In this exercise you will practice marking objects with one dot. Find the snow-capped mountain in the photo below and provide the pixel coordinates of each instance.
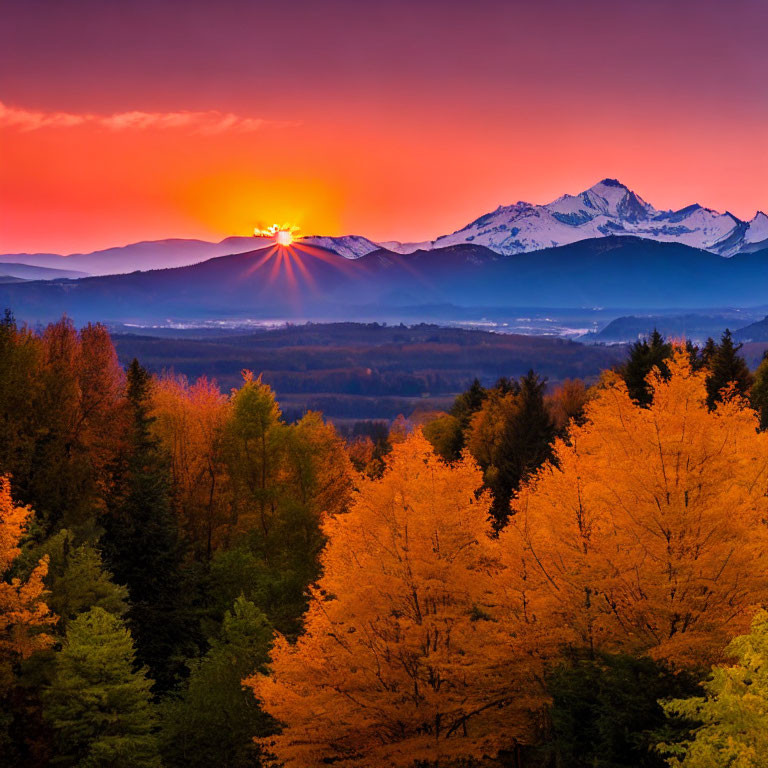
(348, 246)
(607, 208)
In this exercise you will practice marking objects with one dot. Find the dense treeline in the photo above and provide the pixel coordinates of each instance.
(354, 370)
(174, 530)
(189, 579)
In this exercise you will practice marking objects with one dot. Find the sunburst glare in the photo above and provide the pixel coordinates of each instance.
(284, 234)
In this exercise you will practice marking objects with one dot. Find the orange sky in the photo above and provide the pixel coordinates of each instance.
(114, 130)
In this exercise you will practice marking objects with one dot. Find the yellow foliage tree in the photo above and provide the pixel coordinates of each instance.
(648, 532)
(407, 655)
(24, 616)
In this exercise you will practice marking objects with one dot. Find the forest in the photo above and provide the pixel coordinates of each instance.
(362, 370)
(537, 576)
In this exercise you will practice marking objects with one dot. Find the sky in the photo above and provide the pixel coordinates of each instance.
(403, 119)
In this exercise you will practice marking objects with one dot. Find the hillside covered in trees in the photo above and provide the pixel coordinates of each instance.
(536, 576)
(355, 371)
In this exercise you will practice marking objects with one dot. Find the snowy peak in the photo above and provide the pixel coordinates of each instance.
(612, 198)
(608, 197)
(606, 208)
(758, 229)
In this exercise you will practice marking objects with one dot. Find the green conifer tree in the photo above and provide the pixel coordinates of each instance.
(214, 720)
(758, 395)
(605, 710)
(78, 581)
(510, 438)
(99, 704)
(726, 367)
(468, 403)
(644, 356)
(142, 548)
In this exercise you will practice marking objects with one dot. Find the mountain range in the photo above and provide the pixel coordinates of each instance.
(162, 254)
(310, 282)
(609, 208)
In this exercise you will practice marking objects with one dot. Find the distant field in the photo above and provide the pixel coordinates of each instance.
(368, 371)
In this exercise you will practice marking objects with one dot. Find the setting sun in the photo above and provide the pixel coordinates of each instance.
(284, 234)
(284, 237)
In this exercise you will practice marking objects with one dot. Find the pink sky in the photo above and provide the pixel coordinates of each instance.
(123, 122)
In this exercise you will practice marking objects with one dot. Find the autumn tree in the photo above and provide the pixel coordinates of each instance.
(21, 420)
(362, 453)
(25, 619)
(25, 625)
(368, 446)
(190, 421)
(285, 478)
(731, 719)
(399, 430)
(61, 408)
(566, 403)
(98, 703)
(405, 656)
(648, 532)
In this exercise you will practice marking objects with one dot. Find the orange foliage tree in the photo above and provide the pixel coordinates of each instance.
(79, 407)
(648, 532)
(407, 654)
(567, 402)
(24, 616)
(190, 422)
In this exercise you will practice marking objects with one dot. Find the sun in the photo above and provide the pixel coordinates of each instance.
(284, 237)
(284, 234)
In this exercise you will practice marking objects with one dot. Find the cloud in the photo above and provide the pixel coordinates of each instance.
(206, 123)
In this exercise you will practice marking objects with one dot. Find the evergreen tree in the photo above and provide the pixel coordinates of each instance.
(726, 367)
(758, 395)
(141, 544)
(99, 705)
(214, 720)
(78, 581)
(708, 352)
(510, 438)
(535, 428)
(605, 710)
(468, 403)
(644, 356)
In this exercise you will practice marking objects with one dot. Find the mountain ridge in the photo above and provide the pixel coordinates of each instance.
(310, 282)
(607, 208)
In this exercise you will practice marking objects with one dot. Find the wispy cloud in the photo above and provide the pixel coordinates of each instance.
(208, 122)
